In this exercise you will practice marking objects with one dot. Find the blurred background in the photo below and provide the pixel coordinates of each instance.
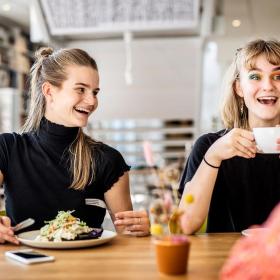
(161, 64)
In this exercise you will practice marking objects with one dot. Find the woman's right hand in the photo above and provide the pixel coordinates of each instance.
(6, 231)
(237, 142)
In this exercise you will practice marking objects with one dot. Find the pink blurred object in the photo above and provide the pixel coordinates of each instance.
(148, 154)
(167, 201)
(256, 257)
(184, 221)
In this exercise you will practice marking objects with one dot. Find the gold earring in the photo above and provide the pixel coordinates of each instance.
(242, 109)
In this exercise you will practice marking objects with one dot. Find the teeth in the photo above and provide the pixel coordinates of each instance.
(272, 98)
(82, 109)
(267, 100)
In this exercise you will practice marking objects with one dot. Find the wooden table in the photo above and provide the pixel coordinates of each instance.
(123, 258)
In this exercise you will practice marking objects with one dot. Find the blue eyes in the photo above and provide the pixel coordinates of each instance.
(276, 77)
(254, 77)
(258, 77)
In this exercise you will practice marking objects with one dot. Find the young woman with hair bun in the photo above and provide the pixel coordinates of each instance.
(52, 165)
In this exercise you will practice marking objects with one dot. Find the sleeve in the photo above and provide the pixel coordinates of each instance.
(198, 151)
(110, 167)
(5, 143)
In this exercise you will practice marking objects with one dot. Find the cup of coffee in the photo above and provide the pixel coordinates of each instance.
(172, 253)
(266, 139)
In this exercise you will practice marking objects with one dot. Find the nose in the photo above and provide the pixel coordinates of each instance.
(268, 84)
(90, 98)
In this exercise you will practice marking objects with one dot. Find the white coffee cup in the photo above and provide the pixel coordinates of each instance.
(266, 139)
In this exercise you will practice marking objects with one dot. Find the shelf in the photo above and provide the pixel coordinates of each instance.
(6, 47)
(15, 63)
(6, 67)
(169, 139)
(145, 130)
(174, 143)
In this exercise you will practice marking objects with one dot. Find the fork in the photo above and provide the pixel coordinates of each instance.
(25, 223)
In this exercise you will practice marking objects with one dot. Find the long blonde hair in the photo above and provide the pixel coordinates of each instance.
(51, 66)
(234, 112)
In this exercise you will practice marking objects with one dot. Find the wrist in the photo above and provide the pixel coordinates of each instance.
(212, 160)
(209, 164)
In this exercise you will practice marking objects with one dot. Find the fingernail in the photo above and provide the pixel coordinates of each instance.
(118, 222)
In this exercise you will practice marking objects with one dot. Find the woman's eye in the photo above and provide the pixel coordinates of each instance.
(95, 93)
(81, 90)
(276, 77)
(254, 77)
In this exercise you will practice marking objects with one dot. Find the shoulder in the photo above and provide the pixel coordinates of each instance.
(209, 138)
(110, 165)
(13, 138)
(9, 138)
(106, 154)
(107, 151)
(203, 143)
(197, 153)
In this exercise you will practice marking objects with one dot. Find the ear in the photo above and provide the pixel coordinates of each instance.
(48, 90)
(237, 88)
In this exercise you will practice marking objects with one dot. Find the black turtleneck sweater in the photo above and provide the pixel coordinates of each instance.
(37, 177)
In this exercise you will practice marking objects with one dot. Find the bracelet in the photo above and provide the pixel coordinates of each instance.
(213, 166)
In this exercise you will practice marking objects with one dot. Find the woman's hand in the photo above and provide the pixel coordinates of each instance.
(134, 223)
(6, 231)
(237, 142)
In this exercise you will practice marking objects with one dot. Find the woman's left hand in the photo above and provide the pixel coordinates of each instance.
(134, 223)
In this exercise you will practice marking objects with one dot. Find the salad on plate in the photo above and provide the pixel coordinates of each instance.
(66, 227)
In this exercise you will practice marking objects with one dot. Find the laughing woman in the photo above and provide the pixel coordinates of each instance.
(53, 165)
(233, 184)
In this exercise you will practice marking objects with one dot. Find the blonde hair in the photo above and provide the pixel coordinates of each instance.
(231, 113)
(51, 66)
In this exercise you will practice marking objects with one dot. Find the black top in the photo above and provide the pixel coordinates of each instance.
(245, 192)
(37, 178)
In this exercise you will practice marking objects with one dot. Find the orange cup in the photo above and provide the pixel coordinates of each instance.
(172, 253)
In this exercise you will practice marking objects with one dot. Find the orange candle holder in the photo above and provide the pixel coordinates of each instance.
(172, 254)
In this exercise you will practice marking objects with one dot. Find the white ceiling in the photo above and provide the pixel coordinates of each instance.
(257, 17)
(113, 17)
(18, 11)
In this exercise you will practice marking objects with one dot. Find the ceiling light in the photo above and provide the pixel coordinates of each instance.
(236, 23)
(6, 7)
(128, 65)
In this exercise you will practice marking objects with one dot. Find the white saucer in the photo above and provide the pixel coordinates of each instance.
(252, 231)
(28, 238)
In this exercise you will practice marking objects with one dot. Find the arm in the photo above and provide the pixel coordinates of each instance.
(6, 231)
(118, 196)
(237, 142)
(120, 208)
(1, 178)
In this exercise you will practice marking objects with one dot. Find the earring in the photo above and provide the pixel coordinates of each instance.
(242, 108)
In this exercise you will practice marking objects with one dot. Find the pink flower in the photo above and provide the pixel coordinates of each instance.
(256, 256)
(148, 154)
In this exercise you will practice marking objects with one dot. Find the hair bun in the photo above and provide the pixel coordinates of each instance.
(43, 52)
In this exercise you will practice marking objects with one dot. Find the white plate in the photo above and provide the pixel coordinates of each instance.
(28, 238)
(252, 231)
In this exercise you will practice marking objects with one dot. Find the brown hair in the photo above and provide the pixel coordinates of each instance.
(51, 66)
(231, 113)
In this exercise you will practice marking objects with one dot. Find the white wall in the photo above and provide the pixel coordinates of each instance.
(166, 77)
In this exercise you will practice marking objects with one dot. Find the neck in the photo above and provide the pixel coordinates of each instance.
(55, 135)
(51, 119)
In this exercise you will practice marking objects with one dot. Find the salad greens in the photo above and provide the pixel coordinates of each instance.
(64, 227)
